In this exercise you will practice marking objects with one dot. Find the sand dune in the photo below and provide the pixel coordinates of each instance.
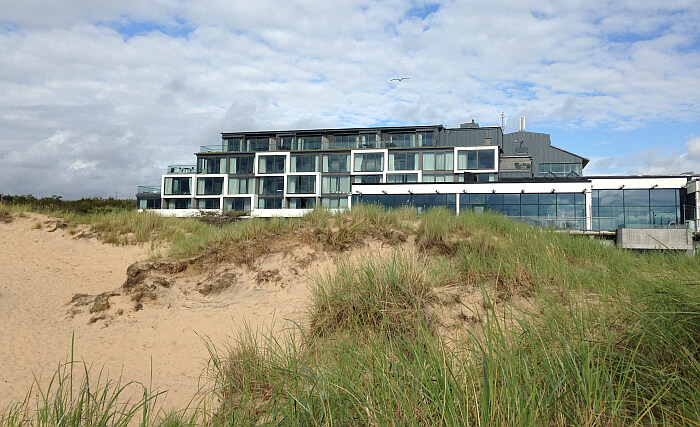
(42, 270)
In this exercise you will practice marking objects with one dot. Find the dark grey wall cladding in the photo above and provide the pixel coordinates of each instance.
(538, 146)
(471, 137)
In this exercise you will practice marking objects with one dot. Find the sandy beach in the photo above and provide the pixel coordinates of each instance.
(159, 343)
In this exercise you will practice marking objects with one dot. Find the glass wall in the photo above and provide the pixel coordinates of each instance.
(302, 202)
(402, 140)
(560, 210)
(421, 202)
(647, 208)
(369, 162)
(149, 203)
(258, 144)
(345, 142)
(179, 203)
(334, 202)
(178, 186)
(309, 143)
(401, 177)
(367, 179)
(208, 204)
(425, 139)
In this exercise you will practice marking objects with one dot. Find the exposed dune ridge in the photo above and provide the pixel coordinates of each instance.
(148, 328)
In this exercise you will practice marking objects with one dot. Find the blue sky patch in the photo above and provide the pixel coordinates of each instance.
(129, 28)
(422, 11)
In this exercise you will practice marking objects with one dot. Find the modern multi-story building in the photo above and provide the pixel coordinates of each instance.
(286, 173)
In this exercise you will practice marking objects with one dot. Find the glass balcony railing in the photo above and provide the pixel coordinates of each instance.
(213, 149)
(148, 189)
(182, 168)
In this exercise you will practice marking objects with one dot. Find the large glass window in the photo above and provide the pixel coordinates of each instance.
(309, 143)
(271, 185)
(208, 204)
(179, 203)
(233, 144)
(401, 161)
(402, 140)
(302, 202)
(635, 208)
(345, 141)
(271, 164)
(286, 143)
(335, 184)
(476, 159)
(336, 163)
(177, 186)
(561, 210)
(270, 202)
(334, 202)
(301, 184)
(304, 163)
(432, 177)
(237, 204)
(241, 165)
(209, 186)
(438, 161)
(425, 139)
(211, 165)
(369, 162)
(421, 202)
(368, 140)
(238, 185)
(258, 144)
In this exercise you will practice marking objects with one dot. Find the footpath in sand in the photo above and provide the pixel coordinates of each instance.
(159, 342)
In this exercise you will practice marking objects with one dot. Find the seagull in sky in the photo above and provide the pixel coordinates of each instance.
(398, 79)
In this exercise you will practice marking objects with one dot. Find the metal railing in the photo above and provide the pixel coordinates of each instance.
(182, 169)
(148, 189)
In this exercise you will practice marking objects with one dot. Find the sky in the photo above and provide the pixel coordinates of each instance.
(99, 97)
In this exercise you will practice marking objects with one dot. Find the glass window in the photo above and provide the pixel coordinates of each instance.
(309, 143)
(241, 165)
(334, 202)
(211, 165)
(529, 199)
(236, 204)
(258, 144)
(301, 184)
(304, 163)
(345, 142)
(177, 186)
(179, 203)
(336, 163)
(367, 179)
(402, 140)
(368, 140)
(271, 164)
(286, 143)
(476, 159)
(302, 202)
(425, 139)
(271, 185)
(270, 202)
(208, 204)
(238, 185)
(559, 169)
(233, 144)
(401, 177)
(335, 184)
(400, 161)
(209, 186)
(636, 197)
(663, 197)
(369, 162)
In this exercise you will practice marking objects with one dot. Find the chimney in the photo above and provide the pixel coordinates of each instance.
(522, 123)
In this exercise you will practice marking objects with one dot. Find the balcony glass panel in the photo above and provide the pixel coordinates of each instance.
(271, 164)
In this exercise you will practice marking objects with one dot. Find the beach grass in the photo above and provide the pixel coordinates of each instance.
(568, 331)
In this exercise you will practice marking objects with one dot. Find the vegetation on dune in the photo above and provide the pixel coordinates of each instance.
(607, 337)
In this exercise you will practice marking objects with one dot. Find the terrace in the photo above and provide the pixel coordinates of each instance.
(182, 168)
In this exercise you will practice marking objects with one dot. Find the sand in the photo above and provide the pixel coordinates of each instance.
(160, 343)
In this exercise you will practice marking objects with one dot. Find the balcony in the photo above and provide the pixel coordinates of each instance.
(182, 169)
(213, 149)
(148, 189)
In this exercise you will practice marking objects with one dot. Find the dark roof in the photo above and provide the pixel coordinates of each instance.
(334, 130)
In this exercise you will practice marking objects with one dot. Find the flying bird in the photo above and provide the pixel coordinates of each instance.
(398, 79)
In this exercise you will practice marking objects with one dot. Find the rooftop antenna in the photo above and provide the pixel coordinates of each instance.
(503, 122)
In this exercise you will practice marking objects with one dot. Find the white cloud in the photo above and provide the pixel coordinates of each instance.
(124, 104)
